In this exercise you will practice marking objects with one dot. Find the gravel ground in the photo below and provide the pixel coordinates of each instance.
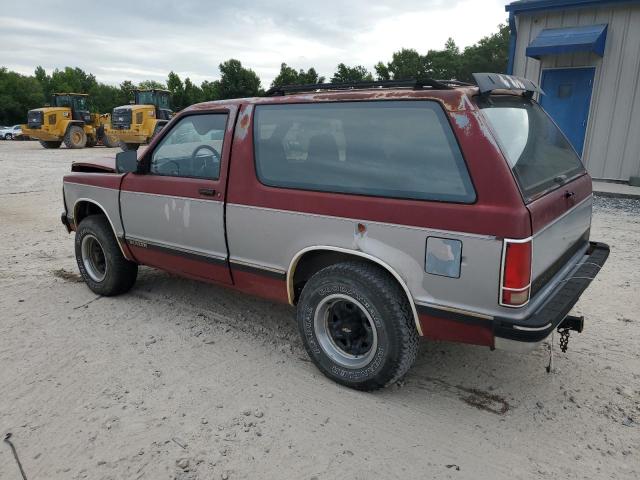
(179, 379)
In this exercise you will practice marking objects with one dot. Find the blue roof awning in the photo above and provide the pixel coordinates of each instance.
(555, 41)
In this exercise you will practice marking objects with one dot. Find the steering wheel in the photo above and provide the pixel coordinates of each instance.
(175, 171)
(214, 153)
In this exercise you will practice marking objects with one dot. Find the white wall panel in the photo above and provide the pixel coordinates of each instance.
(612, 141)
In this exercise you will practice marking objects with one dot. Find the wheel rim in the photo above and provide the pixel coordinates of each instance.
(93, 258)
(76, 137)
(345, 331)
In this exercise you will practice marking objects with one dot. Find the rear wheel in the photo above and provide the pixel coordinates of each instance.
(357, 326)
(91, 142)
(100, 261)
(50, 144)
(75, 137)
(128, 146)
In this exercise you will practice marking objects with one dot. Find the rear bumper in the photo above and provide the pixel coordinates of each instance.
(552, 313)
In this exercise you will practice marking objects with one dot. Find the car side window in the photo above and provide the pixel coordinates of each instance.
(192, 148)
(394, 149)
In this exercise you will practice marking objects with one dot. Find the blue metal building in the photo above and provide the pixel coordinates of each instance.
(586, 56)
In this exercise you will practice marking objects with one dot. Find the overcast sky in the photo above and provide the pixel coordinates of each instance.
(142, 39)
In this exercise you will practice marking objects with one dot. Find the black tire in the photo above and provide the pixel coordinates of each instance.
(128, 146)
(50, 144)
(8, 136)
(75, 137)
(119, 274)
(385, 305)
(110, 141)
(91, 142)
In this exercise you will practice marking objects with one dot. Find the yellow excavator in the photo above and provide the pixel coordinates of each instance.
(137, 123)
(68, 120)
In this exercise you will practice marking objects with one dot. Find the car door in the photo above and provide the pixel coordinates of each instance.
(173, 213)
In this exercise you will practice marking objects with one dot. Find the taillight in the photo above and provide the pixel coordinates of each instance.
(516, 273)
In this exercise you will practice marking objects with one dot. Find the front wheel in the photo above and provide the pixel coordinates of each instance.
(357, 326)
(100, 261)
(8, 136)
(75, 137)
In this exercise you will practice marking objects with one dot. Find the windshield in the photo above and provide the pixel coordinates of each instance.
(540, 156)
(81, 103)
(76, 103)
(159, 99)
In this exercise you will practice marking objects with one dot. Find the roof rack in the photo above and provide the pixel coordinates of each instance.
(416, 84)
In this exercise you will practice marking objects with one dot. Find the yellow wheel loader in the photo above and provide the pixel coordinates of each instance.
(67, 120)
(136, 124)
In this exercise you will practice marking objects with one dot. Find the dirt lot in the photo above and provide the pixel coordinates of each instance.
(184, 380)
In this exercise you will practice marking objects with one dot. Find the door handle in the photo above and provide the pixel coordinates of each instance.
(209, 192)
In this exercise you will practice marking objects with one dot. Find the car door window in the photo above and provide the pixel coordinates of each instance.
(192, 148)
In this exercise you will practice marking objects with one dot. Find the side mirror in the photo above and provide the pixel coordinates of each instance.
(127, 162)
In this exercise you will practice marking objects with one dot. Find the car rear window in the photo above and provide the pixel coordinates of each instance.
(541, 157)
(388, 149)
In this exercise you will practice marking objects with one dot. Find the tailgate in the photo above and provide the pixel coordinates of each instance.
(560, 222)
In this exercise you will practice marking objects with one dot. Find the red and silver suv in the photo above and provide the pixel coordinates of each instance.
(384, 212)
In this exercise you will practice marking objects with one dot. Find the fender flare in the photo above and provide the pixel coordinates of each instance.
(296, 258)
(67, 123)
(104, 211)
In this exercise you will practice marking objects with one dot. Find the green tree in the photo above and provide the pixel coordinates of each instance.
(210, 90)
(291, 76)
(18, 94)
(44, 80)
(150, 85)
(126, 92)
(405, 64)
(237, 81)
(192, 93)
(72, 80)
(345, 74)
(103, 98)
(176, 87)
(443, 64)
(490, 54)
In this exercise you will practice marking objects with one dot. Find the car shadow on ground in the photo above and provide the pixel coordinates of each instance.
(492, 381)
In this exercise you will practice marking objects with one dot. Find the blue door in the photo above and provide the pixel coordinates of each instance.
(567, 99)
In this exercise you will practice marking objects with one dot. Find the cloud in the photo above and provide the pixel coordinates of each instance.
(147, 39)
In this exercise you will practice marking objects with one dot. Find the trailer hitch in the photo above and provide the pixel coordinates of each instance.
(569, 323)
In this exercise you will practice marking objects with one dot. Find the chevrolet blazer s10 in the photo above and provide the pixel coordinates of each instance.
(384, 211)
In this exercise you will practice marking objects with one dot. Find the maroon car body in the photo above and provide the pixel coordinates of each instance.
(268, 244)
